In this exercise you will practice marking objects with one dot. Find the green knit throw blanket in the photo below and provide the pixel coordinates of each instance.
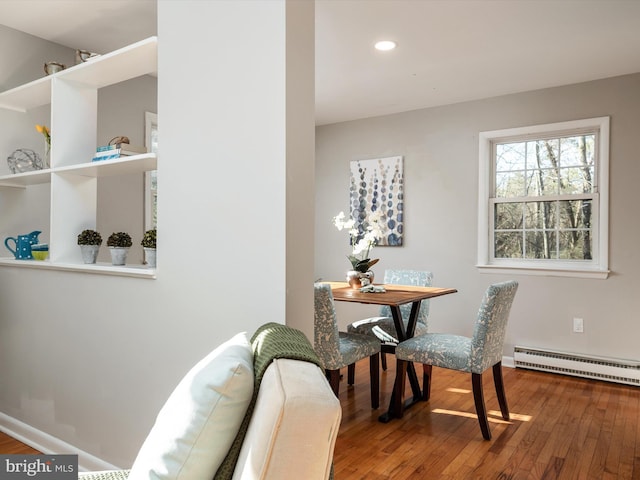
(270, 341)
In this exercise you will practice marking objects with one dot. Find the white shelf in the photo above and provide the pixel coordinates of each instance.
(139, 271)
(23, 180)
(106, 168)
(25, 97)
(124, 64)
(117, 166)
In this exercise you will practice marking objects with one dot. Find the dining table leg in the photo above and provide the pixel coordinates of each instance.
(407, 368)
(411, 330)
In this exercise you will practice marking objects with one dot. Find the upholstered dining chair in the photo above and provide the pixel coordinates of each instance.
(338, 349)
(473, 354)
(382, 327)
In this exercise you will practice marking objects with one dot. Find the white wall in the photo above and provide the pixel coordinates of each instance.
(440, 149)
(90, 359)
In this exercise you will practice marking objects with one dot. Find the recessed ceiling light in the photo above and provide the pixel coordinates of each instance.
(385, 45)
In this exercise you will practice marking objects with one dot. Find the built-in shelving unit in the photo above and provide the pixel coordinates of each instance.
(72, 94)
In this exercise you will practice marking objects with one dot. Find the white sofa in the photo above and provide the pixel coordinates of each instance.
(285, 430)
(294, 426)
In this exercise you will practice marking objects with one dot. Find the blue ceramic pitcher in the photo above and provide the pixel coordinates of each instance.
(22, 244)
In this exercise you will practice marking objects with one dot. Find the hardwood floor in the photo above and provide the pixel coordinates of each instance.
(561, 428)
(10, 446)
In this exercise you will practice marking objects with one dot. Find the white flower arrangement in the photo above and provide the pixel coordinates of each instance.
(362, 239)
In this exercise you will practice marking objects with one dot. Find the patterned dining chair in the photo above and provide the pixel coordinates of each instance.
(382, 327)
(338, 349)
(474, 354)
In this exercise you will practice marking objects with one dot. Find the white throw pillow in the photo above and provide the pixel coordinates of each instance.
(196, 426)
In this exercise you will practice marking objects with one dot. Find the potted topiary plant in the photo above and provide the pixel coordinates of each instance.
(149, 244)
(89, 241)
(119, 243)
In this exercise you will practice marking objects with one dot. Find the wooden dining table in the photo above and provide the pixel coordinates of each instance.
(394, 296)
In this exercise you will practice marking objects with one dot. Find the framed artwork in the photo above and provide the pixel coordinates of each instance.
(150, 178)
(378, 185)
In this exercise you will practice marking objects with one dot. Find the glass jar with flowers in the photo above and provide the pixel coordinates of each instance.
(46, 133)
(362, 239)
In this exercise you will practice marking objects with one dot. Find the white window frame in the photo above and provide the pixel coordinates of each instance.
(596, 268)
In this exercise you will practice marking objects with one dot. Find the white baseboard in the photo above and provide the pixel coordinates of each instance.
(508, 362)
(45, 443)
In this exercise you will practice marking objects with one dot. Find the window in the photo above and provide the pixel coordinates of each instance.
(543, 206)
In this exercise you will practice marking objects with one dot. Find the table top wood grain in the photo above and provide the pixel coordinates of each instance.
(395, 295)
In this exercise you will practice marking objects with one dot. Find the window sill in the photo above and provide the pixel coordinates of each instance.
(96, 268)
(545, 271)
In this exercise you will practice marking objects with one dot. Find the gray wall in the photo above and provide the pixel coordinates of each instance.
(23, 57)
(440, 149)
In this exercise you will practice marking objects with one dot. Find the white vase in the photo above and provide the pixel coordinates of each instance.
(46, 160)
(119, 255)
(89, 253)
(359, 279)
(150, 256)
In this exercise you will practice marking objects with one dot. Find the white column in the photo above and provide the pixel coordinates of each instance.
(235, 181)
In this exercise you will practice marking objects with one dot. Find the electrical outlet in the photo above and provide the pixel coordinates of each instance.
(578, 325)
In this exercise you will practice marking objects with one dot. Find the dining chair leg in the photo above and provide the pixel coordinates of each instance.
(478, 397)
(426, 381)
(351, 374)
(334, 380)
(374, 373)
(502, 398)
(383, 361)
(398, 389)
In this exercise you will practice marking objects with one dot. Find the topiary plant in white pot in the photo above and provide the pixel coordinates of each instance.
(89, 241)
(119, 243)
(149, 244)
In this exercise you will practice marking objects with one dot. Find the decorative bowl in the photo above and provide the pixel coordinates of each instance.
(53, 67)
(40, 254)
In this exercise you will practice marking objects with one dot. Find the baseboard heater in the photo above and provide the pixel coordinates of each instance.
(578, 365)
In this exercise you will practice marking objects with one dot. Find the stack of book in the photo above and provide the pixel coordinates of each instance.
(117, 150)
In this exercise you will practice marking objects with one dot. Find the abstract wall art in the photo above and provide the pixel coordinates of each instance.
(378, 185)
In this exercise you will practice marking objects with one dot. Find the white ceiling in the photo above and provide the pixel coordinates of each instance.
(448, 51)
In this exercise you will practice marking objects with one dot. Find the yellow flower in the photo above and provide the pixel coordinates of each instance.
(44, 130)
